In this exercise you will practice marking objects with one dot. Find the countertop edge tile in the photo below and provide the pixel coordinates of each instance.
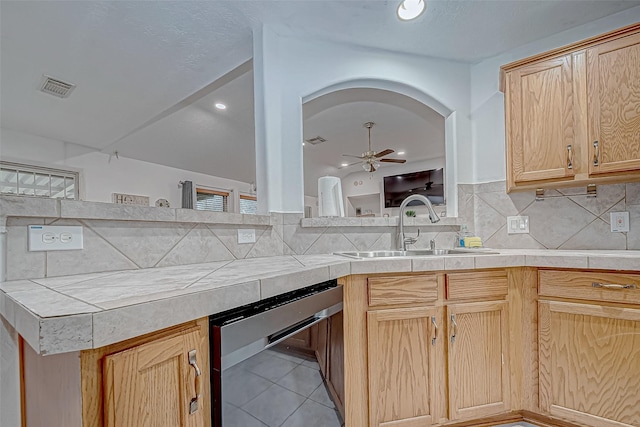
(384, 265)
(65, 334)
(559, 261)
(111, 326)
(499, 261)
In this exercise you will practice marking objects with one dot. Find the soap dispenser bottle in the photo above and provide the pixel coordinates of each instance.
(464, 232)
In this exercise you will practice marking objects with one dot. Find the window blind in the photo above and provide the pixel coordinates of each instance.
(248, 204)
(27, 180)
(212, 200)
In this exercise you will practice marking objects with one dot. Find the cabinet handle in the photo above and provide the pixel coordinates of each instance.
(612, 286)
(193, 405)
(454, 328)
(435, 330)
(569, 157)
(596, 154)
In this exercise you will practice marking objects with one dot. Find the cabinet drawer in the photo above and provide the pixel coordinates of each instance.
(392, 290)
(594, 286)
(477, 285)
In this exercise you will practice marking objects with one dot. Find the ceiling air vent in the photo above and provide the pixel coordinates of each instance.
(316, 140)
(56, 87)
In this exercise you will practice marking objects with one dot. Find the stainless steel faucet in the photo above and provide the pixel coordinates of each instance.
(432, 216)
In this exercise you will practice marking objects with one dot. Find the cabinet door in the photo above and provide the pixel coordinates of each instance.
(335, 362)
(478, 359)
(401, 357)
(153, 384)
(539, 108)
(589, 358)
(613, 85)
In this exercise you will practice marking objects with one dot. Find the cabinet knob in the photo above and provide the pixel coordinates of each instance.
(569, 157)
(596, 153)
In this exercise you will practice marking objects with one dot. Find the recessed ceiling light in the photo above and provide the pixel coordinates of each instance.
(411, 9)
(400, 153)
(345, 164)
(221, 106)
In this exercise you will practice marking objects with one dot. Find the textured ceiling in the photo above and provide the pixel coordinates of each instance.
(133, 61)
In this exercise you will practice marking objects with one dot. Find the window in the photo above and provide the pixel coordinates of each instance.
(27, 180)
(212, 200)
(248, 204)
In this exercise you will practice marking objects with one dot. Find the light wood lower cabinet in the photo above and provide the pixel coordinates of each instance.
(149, 381)
(402, 357)
(478, 359)
(589, 358)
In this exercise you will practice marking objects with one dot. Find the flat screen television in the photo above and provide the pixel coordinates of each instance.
(429, 183)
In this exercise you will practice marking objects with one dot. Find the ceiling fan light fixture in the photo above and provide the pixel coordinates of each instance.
(411, 9)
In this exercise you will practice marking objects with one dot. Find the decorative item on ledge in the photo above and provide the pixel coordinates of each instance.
(129, 199)
(410, 214)
(162, 203)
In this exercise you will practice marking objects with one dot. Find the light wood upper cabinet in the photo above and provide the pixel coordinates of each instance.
(589, 358)
(540, 121)
(613, 82)
(154, 384)
(401, 355)
(478, 359)
(573, 114)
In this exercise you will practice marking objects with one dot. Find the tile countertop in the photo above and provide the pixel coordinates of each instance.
(71, 313)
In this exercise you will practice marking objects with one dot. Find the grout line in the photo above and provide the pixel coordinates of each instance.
(109, 243)
(176, 244)
(314, 242)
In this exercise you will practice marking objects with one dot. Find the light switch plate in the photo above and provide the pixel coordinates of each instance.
(55, 238)
(246, 236)
(517, 225)
(619, 222)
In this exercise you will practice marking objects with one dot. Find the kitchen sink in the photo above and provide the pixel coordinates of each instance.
(415, 252)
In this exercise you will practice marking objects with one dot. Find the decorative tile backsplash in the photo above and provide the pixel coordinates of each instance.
(572, 222)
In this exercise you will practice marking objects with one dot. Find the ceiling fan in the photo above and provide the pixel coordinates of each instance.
(371, 159)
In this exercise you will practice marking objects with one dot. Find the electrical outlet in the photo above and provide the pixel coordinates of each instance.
(55, 238)
(517, 225)
(246, 236)
(619, 222)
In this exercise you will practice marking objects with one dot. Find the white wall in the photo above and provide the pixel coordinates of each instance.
(287, 70)
(487, 102)
(101, 175)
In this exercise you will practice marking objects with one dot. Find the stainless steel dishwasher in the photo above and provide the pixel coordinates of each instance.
(249, 383)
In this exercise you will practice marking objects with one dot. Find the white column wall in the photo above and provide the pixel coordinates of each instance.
(487, 102)
(287, 70)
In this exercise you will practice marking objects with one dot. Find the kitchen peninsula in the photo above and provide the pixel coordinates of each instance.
(61, 318)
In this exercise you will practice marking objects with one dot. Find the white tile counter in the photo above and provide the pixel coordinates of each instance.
(70, 313)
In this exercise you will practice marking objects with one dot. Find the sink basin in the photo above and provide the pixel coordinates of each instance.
(414, 252)
(456, 251)
(372, 254)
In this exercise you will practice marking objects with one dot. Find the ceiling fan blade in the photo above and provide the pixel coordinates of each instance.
(350, 155)
(372, 168)
(384, 153)
(393, 160)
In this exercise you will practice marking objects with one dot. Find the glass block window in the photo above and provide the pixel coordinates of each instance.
(26, 180)
(248, 204)
(212, 200)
